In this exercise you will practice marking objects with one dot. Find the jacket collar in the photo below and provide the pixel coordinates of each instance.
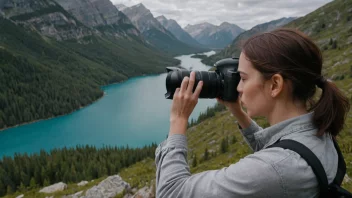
(270, 135)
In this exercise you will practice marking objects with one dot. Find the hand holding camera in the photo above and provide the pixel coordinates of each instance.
(184, 101)
(220, 84)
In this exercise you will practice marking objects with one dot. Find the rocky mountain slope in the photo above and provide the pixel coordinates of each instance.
(52, 63)
(213, 36)
(155, 33)
(177, 31)
(233, 50)
(99, 14)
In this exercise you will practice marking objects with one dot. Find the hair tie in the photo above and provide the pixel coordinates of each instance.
(321, 82)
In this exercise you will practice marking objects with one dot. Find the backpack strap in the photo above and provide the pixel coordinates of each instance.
(341, 167)
(310, 158)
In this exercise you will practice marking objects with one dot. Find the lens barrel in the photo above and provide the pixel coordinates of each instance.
(212, 83)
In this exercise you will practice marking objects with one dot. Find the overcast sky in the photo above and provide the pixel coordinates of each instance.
(244, 13)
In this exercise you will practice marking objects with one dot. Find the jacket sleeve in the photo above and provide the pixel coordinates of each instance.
(248, 134)
(250, 177)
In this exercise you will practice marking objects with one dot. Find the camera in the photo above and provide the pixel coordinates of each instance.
(221, 83)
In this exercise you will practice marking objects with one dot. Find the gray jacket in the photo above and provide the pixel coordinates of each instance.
(272, 172)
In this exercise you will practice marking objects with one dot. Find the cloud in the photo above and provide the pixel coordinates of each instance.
(244, 13)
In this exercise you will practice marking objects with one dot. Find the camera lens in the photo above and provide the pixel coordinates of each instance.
(211, 82)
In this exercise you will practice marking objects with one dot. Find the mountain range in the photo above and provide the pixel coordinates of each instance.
(177, 30)
(213, 36)
(234, 50)
(155, 33)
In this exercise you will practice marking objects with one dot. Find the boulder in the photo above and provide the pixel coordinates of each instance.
(110, 187)
(20, 196)
(76, 195)
(53, 188)
(82, 183)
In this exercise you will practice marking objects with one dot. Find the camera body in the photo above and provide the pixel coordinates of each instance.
(221, 83)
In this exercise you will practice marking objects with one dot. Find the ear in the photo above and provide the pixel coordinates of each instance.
(277, 84)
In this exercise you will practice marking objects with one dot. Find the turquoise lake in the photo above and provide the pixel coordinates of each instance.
(133, 113)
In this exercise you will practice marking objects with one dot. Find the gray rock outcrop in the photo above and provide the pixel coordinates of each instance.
(54, 188)
(110, 187)
(82, 183)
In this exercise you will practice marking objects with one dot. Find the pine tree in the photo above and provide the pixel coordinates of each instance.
(334, 44)
(234, 139)
(32, 183)
(9, 190)
(2, 189)
(224, 145)
(46, 182)
(206, 154)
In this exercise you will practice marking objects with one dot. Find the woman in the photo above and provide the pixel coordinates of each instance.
(279, 74)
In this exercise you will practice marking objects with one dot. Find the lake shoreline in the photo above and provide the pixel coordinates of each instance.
(34, 121)
(111, 119)
(74, 110)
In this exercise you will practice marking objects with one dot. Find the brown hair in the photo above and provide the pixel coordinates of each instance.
(292, 54)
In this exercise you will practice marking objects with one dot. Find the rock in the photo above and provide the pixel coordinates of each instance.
(346, 179)
(349, 40)
(20, 196)
(53, 188)
(337, 63)
(128, 195)
(212, 142)
(76, 195)
(134, 190)
(110, 187)
(144, 193)
(50, 197)
(82, 183)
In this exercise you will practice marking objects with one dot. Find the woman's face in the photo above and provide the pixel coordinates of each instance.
(253, 89)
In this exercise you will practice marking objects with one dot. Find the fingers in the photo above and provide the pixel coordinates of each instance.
(184, 84)
(191, 82)
(198, 89)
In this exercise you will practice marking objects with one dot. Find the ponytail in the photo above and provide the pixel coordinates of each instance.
(331, 110)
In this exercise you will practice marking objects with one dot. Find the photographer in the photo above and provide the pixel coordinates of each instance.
(279, 71)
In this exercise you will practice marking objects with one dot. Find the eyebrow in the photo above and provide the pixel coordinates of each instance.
(241, 72)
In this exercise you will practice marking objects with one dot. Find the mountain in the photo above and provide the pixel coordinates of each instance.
(155, 33)
(51, 63)
(120, 7)
(213, 36)
(100, 14)
(177, 31)
(234, 50)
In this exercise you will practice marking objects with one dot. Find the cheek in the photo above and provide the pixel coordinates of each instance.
(251, 90)
(254, 99)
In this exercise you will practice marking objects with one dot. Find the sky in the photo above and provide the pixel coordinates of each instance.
(244, 13)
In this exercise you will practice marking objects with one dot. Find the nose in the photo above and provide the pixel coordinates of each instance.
(240, 87)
